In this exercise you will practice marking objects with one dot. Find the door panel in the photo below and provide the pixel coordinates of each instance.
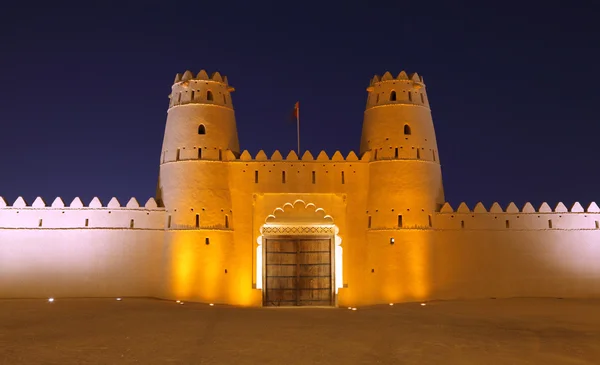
(298, 272)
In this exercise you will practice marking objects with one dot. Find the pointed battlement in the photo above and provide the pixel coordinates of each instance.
(201, 76)
(201, 89)
(525, 219)
(402, 76)
(527, 208)
(77, 203)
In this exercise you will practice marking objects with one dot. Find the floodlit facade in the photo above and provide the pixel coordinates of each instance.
(283, 230)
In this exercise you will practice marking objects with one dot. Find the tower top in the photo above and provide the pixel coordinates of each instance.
(202, 76)
(402, 76)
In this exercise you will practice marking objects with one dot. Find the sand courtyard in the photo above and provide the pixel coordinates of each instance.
(148, 331)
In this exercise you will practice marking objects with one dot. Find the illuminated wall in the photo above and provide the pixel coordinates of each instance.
(78, 251)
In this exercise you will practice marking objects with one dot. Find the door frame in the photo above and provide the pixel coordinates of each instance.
(331, 239)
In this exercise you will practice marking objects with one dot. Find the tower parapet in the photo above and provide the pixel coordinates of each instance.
(201, 89)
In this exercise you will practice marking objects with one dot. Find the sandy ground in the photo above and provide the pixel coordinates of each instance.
(146, 331)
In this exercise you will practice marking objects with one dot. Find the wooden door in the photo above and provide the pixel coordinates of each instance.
(298, 272)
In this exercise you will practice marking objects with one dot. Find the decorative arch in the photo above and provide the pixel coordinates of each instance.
(302, 219)
(209, 95)
(393, 95)
(201, 129)
(407, 130)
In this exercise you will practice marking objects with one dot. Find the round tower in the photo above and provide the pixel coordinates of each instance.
(405, 175)
(200, 129)
(194, 187)
(405, 189)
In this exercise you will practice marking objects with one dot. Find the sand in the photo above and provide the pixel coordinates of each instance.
(148, 331)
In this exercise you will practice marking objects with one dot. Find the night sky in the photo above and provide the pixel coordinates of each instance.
(514, 89)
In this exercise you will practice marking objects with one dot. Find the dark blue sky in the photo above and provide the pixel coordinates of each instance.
(513, 89)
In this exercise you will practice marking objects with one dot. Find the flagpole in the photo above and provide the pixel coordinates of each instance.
(298, 127)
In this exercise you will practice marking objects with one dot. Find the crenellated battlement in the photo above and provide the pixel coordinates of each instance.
(201, 76)
(214, 154)
(526, 218)
(214, 90)
(76, 203)
(76, 215)
(527, 208)
(402, 76)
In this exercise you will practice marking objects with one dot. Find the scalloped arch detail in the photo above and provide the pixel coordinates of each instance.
(299, 212)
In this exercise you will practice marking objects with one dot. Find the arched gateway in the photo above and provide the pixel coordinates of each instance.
(299, 257)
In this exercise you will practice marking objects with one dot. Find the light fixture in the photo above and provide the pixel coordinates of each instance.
(391, 303)
(211, 304)
(50, 300)
(392, 240)
(119, 299)
(423, 304)
(178, 301)
(353, 309)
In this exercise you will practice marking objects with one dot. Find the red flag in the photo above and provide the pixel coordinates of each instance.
(296, 112)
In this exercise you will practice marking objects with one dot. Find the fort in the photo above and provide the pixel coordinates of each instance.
(362, 228)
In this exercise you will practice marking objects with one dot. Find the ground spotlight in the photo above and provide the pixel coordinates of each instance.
(50, 300)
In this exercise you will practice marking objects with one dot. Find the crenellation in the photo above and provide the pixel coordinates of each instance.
(545, 208)
(276, 156)
(307, 156)
(512, 208)
(2, 202)
(95, 203)
(479, 208)
(38, 203)
(19, 203)
(132, 204)
(528, 208)
(577, 208)
(463, 208)
(76, 203)
(593, 208)
(561, 208)
(113, 203)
